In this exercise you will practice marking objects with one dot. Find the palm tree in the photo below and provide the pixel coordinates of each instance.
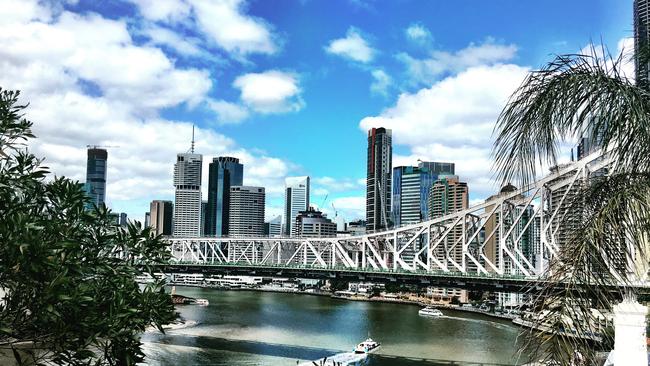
(572, 96)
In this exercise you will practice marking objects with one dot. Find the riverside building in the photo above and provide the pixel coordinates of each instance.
(246, 211)
(313, 224)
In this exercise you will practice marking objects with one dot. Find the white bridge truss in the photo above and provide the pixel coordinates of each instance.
(513, 233)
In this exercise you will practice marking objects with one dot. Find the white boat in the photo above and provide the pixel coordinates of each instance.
(203, 302)
(429, 311)
(366, 346)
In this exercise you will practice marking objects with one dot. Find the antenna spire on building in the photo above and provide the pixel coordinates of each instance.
(192, 148)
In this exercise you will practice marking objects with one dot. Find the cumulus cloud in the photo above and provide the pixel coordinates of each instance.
(87, 82)
(381, 82)
(163, 10)
(271, 91)
(418, 33)
(452, 120)
(442, 63)
(228, 112)
(330, 184)
(162, 36)
(353, 47)
(224, 22)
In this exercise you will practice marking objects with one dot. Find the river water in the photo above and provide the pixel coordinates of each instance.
(264, 328)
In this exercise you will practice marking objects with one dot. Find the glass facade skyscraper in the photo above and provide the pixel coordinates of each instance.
(96, 175)
(411, 187)
(379, 178)
(224, 172)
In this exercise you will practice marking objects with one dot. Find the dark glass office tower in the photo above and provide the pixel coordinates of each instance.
(224, 172)
(378, 182)
(96, 175)
(641, 44)
(411, 185)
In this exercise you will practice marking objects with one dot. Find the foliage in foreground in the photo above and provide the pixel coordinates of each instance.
(583, 95)
(68, 275)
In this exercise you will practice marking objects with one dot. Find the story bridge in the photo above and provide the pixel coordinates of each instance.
(503, 244)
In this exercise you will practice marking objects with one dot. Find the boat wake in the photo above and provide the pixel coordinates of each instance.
(480, 321)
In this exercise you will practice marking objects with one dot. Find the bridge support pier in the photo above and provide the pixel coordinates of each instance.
(629, 334)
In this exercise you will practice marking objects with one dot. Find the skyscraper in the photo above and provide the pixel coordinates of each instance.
(224, 172)
(187, 203)
(246, 211)
(411, 187)
(96, 175)
(641, 38)
(448, 195)
(378, 182)
(296, 199)
(160, 213)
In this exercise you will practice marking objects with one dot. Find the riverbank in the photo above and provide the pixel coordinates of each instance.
(379, 299)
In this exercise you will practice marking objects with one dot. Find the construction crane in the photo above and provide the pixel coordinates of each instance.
(322, 205)
(336, 213)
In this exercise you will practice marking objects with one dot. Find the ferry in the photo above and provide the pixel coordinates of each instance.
(202, 302)
(429, 311)
(366, 346)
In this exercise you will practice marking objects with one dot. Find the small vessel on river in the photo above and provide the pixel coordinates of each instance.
(366, 346)
(430, 312)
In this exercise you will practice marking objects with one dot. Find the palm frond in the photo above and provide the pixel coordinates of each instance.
(594, 269)
(576, 94)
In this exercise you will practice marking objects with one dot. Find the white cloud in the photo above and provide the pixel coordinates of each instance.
(418, 33)
(228, 112)
(353, 47)
(330, 184)
(452, 120)
(20, 11)
(106, 57)
(428, 70)
(231, 29)
(88, 83)
(223, 22)
(381, 82)
(165, 37)
(270, 92)
(163, 10)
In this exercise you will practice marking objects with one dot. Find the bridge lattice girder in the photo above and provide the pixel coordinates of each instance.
(514, 233)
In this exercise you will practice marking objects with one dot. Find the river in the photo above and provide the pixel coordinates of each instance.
(265, 328)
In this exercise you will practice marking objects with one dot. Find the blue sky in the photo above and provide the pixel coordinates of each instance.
(289, 87)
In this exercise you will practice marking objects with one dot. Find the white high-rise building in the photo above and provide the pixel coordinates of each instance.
(296, 199)
(187, 202)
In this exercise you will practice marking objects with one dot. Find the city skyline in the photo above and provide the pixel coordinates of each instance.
(394, 71)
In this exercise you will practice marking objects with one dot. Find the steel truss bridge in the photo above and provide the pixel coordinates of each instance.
(503, 244)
